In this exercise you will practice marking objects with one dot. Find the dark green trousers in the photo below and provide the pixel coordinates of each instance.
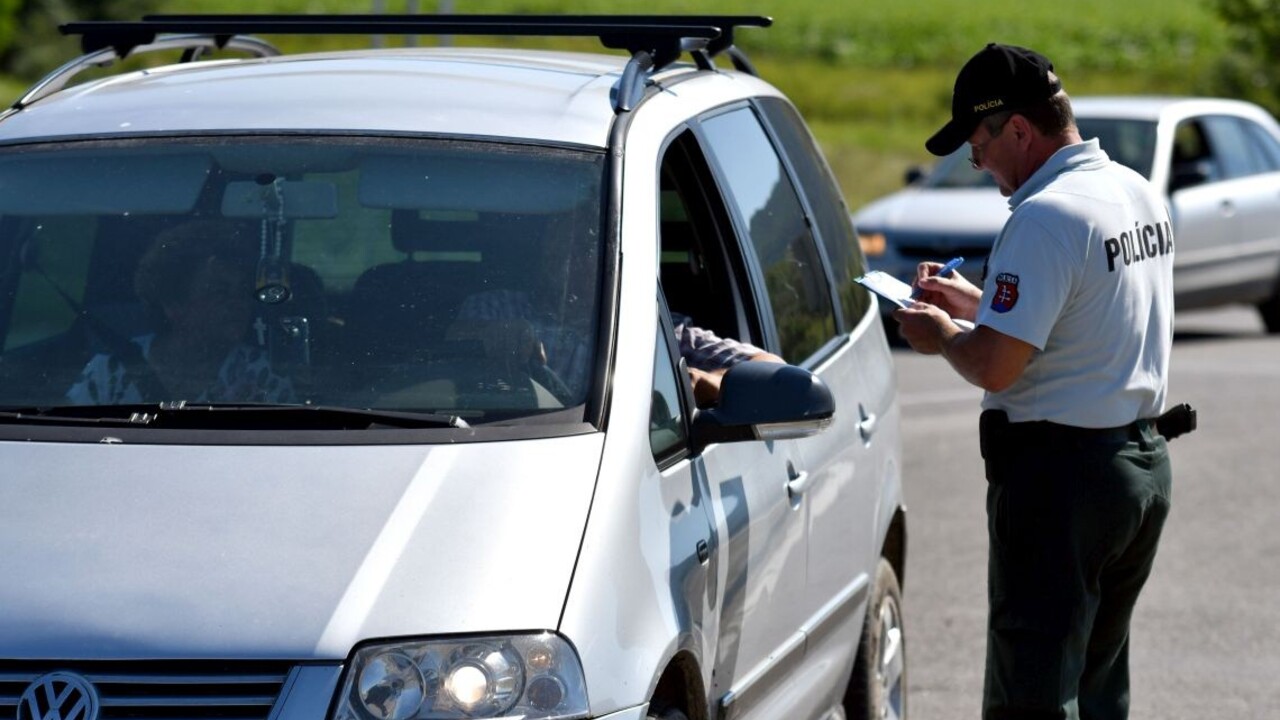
(1074, 518)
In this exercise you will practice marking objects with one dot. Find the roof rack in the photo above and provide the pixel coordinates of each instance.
(191, 45)
(654, 41)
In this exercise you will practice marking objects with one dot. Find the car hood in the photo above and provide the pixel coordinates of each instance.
(132, 551)
(959, 211)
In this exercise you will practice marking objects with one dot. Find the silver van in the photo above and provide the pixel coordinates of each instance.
(344, 386)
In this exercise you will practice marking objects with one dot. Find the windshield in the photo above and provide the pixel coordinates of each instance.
(425, 276)
(954, 171)
(1128, 142)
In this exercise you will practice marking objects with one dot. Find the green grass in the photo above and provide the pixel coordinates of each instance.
(1145, 35)
(872, 122)
(11, 87)
(874, 77)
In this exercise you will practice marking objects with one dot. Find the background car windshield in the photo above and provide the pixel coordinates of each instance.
(954, 171)
(1128, 142)
(426, 276)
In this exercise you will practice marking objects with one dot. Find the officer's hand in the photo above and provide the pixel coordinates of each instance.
(925, 327)
(956, 296)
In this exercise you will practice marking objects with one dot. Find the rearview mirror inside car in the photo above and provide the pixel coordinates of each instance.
(292, 199)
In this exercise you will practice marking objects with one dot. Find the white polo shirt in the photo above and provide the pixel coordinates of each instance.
(1083, 271)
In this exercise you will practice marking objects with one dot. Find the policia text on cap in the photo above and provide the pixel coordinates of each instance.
(1073, 351)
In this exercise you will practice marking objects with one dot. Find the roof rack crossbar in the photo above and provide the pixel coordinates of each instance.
(541, 24)
(105, 56)
(654, 41)
(632, 32)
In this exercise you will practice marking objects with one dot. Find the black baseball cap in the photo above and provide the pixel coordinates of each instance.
(998, 79)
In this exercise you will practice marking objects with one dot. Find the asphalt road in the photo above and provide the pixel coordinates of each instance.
(1206, 635)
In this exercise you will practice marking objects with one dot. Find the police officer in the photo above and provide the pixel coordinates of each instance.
(1073, 326)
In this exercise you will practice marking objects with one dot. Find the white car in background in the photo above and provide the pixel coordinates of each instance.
(1217, 161)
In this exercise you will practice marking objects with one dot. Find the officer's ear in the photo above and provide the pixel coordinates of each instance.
(1021, 128)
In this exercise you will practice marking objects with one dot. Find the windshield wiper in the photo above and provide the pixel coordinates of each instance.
(230, 416)
(56, 416)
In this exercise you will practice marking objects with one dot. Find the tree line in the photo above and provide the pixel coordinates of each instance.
(30, 44)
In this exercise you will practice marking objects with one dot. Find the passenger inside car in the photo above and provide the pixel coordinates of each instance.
(197, 279)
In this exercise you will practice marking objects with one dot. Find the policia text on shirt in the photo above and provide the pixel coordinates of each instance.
(1148, 241)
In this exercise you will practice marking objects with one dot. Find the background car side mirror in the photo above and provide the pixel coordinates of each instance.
(765, 401)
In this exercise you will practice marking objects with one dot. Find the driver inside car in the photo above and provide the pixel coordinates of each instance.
(538, 327)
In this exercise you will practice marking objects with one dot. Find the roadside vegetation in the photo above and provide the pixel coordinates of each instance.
(872, 77)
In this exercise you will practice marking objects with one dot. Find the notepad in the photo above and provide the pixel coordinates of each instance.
(897, 292)
(888, 287)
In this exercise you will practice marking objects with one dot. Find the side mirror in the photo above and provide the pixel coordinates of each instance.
(914, 174)
(765, 401)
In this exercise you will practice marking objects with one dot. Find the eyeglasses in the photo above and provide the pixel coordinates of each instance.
(977, 151)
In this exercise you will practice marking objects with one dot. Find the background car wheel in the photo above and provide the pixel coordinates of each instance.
(666, 714)
(1270, 309)
(878, 686)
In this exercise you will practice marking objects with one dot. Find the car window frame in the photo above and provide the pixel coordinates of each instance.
(684, 387)
(844, 325)
(1209, 155)
(759, 288)
(751, 317)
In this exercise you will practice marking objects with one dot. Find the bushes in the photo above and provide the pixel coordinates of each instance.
(1248, 68)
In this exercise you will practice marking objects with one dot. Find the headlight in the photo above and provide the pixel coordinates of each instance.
(873, 243)
(527, 676)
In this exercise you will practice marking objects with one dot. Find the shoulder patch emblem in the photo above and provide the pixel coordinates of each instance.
(1006, 293)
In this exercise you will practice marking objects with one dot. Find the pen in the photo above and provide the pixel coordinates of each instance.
(943, 271)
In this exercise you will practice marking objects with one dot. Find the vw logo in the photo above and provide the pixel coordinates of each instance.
(59, 696)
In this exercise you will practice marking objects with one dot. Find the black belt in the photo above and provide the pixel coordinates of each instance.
(994, 426)
(996, 429)
(996, 423)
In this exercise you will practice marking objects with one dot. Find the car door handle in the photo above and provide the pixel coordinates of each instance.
(1227, 208)
(797, 483)
(867, 426)
(704, 552)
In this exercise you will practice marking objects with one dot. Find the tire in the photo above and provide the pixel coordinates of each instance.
(667, 714)
(878, 687)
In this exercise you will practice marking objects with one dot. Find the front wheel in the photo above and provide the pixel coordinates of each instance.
(666, 714)
(878, 686)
